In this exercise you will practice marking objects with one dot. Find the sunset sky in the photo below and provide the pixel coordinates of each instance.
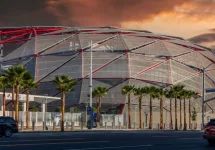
(185, 18)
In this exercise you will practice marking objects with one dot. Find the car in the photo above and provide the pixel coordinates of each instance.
(8, 126)
(209, 132)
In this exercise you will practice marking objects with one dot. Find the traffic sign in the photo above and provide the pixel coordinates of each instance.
(210, 90)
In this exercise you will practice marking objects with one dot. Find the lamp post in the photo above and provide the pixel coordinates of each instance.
(45, 108)
(91, 86)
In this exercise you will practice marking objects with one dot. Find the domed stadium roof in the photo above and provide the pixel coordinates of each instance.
(120, 57)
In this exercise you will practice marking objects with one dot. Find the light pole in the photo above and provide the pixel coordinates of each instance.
(45, 108)
(91, 86)
(203, 96)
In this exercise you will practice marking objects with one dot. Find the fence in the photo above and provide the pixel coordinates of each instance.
(80, 119)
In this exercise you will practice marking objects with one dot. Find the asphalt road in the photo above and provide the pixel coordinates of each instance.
(128, 140)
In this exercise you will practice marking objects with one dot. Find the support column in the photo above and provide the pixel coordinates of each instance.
(24, 113)
(24, 106)
(43, 110)
(1, 109)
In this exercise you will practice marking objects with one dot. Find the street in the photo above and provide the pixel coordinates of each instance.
(128, 140)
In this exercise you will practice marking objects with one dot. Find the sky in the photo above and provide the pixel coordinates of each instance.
(190, 19)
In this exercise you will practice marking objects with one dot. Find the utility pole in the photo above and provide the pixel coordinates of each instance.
(203, 97)
(91, 86)
(91, 69)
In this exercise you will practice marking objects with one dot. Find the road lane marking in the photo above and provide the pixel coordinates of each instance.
(40, 140)
(117, 147)
(190, 138)
(162, 136)
(8, 145)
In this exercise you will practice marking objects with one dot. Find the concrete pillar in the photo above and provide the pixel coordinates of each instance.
(105, 125)
(33, 125)
(126, 125)
(24, 112)
(54, 126)
(113, 125)
(24, 106)
(43, 109)
(72, 125)
(36, 118)
(1, 111)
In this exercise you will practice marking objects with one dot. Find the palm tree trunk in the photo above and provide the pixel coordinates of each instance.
(4, 102)
(63, 110)
(176, 119)
(171, 122)
(129, 112)
(98, 112)
(140, 112)
(13, 110)
(150, 119)
(180, 115)
(161, 113)
(185, 122)
(189, 115)
(17, 104)
(27, 102)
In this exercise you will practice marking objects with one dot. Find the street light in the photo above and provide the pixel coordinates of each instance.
(45, 108)
(91, 86)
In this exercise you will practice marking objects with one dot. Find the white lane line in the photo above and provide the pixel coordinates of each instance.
(190, 138)
(162, 136)
(117, 147)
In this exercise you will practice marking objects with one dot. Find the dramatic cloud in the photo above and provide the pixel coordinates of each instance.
(25, 13)
(109, 12)
(208, 37)
(184, 18)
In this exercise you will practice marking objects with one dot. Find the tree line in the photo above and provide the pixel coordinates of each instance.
(18, 79)
(176, 92)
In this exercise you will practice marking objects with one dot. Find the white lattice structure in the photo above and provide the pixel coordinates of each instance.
(120, 57)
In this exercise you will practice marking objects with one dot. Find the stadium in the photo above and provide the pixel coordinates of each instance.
(120, 57)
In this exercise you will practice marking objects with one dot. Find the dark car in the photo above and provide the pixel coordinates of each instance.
(209, 132)
(8, 126)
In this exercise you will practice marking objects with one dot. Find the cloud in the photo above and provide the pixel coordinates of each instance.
(25, 13)
(109, 12)
(213, 30)
(207, 37)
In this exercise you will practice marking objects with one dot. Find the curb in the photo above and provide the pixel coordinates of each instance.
(113, 131)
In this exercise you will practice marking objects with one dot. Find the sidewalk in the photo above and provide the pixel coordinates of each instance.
(102, 130)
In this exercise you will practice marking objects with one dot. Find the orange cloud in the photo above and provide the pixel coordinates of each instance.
(109, 12)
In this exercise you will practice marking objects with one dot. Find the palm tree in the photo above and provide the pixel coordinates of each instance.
(127, 90)
(170, 96)
(140, 92)
(3, 86)
(195, 95)
(180, 97)
(184, 95)
(27, 85)
(153, 93)
(18, 72)
(99, 93)
(10, 75)
(161, 94)
(176, 89)
(64, 84)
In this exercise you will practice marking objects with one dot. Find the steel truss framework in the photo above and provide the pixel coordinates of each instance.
(120, 57)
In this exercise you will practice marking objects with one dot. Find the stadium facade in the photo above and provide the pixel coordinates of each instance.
(120, 57)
